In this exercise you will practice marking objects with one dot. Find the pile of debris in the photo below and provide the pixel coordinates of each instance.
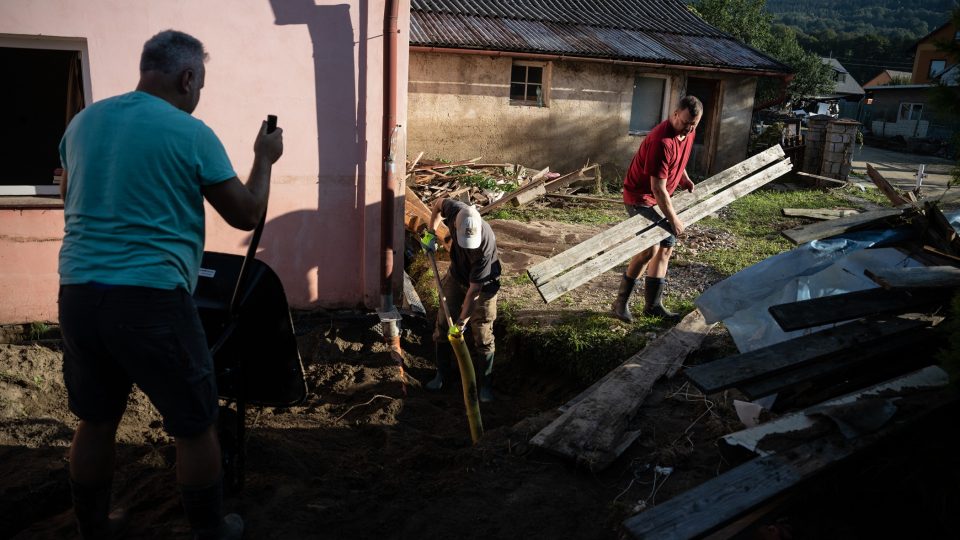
(488, 186)
(837, 341)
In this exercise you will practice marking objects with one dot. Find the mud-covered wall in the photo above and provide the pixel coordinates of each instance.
(459, 108)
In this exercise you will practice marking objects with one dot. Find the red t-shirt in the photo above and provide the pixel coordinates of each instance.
(660, 155)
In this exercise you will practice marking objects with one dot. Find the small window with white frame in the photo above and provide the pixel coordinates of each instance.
(52, 86)
(528, 83)
(649, 105)
(910, 111)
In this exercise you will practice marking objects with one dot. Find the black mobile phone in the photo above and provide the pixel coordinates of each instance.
(271, 123)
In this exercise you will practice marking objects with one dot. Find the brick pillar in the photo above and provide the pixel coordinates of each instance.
(838, 144)
(814, 140)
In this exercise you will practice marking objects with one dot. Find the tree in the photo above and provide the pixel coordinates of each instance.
(747, 21)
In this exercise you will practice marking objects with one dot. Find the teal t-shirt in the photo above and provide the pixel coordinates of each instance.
(133, 210)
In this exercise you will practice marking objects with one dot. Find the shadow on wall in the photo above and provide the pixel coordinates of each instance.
(328, 242)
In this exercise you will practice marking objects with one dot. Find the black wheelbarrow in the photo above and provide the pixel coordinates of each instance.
(249, 331)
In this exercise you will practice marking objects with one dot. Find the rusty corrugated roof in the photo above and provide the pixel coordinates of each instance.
(657, 31)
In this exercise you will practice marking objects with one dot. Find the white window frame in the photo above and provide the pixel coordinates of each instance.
(48, 43)
(665, 106)
(911, 107)
(544, 83)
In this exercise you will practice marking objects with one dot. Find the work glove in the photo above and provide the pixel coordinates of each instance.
(429, 242)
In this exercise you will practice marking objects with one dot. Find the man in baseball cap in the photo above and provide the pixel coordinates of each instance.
(470, 286)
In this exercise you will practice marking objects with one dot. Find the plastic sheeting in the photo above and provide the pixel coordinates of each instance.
(812, 270)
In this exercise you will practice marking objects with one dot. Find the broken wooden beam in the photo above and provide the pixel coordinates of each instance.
(416, 215)
(940, 224)
(584, 198)
(542, 272)
(617, 253)
(833, 227)
(892, 193)
(734, 370)
(593, 429)
(852, 305)
(819, 213)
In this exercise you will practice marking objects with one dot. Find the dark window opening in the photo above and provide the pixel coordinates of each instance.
(47, 93)
(936, 66)
(526, 85)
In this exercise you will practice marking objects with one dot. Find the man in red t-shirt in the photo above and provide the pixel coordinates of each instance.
(657, 170)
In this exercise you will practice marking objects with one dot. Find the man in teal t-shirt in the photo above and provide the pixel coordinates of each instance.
(137, 168)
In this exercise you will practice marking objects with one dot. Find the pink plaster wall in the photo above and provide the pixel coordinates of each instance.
(317, 64)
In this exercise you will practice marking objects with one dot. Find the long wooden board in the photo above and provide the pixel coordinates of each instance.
(884, 186)
(848, 361)
(919, 277)
(833, 227)
(545, 270)
(819, 213)
(743, 368)
(593, 429)
(623, 251)
(851, 305)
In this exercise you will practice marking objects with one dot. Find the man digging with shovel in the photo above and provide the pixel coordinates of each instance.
(470, 286)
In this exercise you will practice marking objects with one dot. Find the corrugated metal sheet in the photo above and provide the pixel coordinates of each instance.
(652, 15)
(434, 29)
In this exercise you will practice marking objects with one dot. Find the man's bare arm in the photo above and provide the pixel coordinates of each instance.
(242, 205)
(666, 205)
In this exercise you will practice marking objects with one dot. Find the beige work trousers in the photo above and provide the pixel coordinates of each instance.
(481, 320)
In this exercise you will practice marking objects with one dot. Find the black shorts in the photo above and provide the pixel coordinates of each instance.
(115, 336)
(651, 214)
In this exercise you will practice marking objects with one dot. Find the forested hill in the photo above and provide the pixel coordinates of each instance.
(889, 18)
(866, 36)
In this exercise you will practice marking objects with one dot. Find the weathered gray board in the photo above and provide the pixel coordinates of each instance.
(593, 429)
(819, 213)
(622, 242)
(743, 368)
(833, 227)
(853, 305)
(919, 277)
(722, 499)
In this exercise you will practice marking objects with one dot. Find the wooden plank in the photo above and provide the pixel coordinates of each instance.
(593, 429)
(531, 195)
(844, 362)
(941, 224)
(619, 253)
(919, 277)
(817, 179)
(416, 215)
(584, 198)
(451, 165)
(532, 186)
(724, 498)
(413, 166)
(935, 251)
(851, 305)
(749, 439)
(621, 232)
(891, 192)
(819, 213)
(742, 368)
(565, 180)
(833, 227)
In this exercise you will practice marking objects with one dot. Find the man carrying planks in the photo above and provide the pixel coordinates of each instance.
(657, 170)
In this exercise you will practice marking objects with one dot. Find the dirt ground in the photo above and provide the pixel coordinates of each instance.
(370, 454)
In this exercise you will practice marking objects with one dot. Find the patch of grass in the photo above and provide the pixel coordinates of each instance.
(37, 330)
(756, 221)
(423, 281)
(582, 345)
(588, 215)
(868, 194)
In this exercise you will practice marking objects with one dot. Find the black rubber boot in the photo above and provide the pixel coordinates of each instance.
(442, 361)
(621, 306)
(653, 294)
(485, 377)
(203, 507)
(91, 504)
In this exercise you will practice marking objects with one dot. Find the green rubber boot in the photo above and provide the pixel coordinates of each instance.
(485, 377)
(442, 361)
